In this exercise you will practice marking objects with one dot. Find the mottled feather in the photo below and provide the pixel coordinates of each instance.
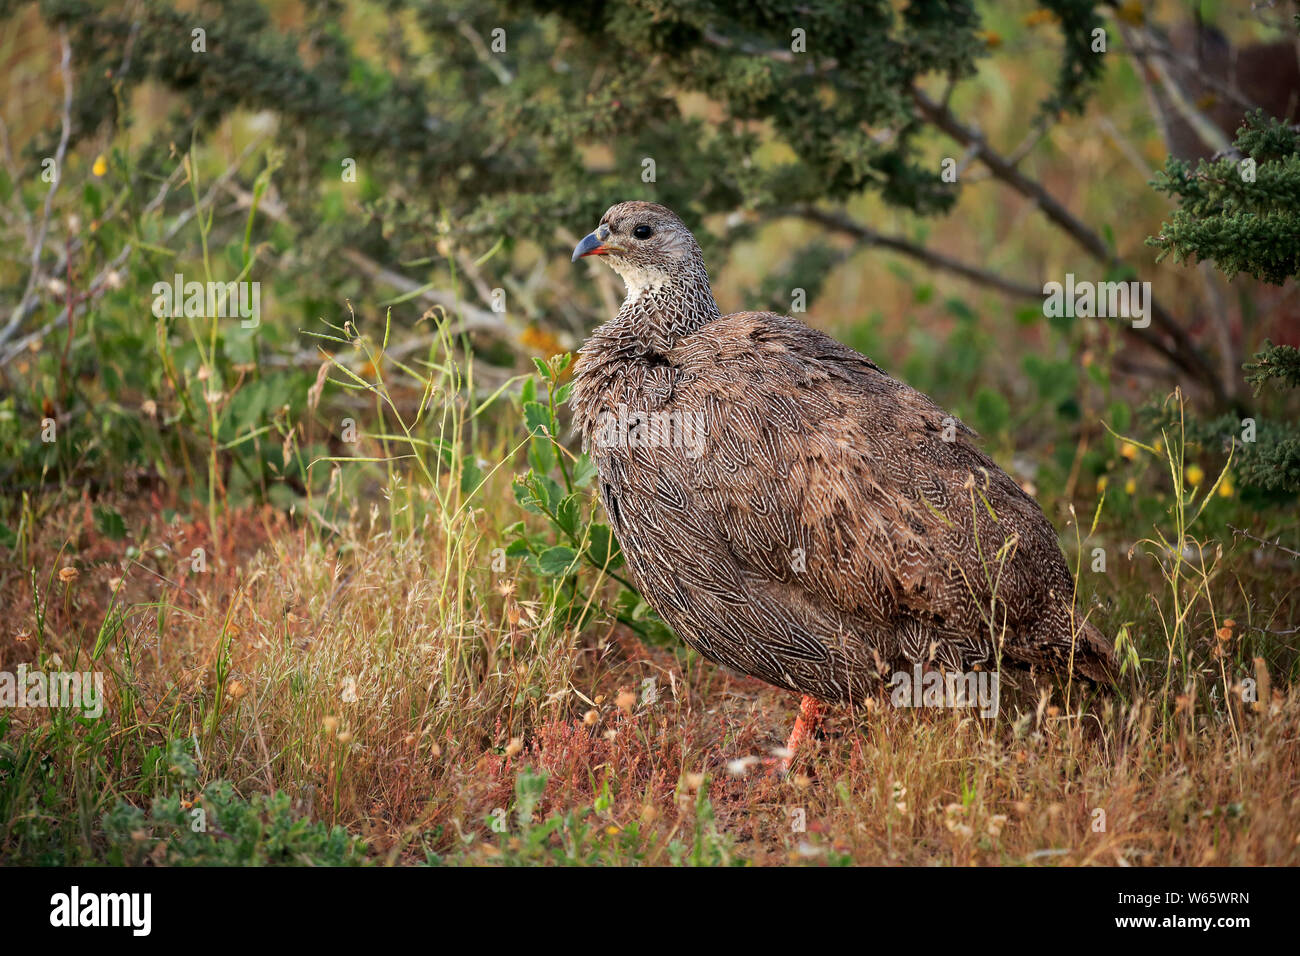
(815, 522)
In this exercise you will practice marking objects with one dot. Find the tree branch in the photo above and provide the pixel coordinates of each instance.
(1179, 348)
(935, 260)
(472, 318)
(20, 311)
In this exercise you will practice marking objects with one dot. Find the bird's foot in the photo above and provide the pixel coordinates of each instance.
(805, 725)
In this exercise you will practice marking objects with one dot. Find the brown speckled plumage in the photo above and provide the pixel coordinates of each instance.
(819, 533)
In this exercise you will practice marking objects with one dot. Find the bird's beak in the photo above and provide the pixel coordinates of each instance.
(595, 244)
(591, 245)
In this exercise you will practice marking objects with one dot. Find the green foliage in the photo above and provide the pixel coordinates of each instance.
(1270, 463)
(1240, 212)
(134, 397)
(219, 827)
(556, 489)
(1281, 362)
(806, 269)
(224, 829)
(1265, 450)
(37, 824)
(587, 836)
(439, 117)
(456, 145)
(1080, 67)
(559, 486)
(1243, 213)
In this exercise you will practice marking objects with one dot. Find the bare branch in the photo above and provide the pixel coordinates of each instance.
(20, 311)
(485, 56)
(1179, 348)
(929, 257)
(1272, 544)
(472, 318)
(1156, 59)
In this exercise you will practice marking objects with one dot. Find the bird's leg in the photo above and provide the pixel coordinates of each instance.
(805, 725)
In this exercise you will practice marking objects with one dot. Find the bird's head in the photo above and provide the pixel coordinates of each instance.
(643, 242)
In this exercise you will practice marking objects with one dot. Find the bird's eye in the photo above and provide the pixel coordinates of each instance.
(643, 231)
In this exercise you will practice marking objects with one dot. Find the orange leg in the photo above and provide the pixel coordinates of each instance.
(805, 725)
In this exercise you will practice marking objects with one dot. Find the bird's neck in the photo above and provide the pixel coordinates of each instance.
(660, 309)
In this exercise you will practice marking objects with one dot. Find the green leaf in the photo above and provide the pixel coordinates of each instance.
(471, 475)
(108, 629)
(110, 523)
(583, 471)
(548, 491)
(518, 548)
(541, 452)
(992, 411)
(603, 549)
(960, 309)
(1121, 416)
(557, 561)
(538, 416)
(525, 495)
(568, 514)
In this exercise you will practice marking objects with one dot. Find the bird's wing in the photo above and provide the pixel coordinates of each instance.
(819, 471)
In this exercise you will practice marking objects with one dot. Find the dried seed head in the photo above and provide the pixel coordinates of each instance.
(740, 766)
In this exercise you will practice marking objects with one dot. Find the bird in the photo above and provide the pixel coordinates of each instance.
(795, 513)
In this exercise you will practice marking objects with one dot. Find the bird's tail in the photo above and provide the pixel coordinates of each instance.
(1094, 657)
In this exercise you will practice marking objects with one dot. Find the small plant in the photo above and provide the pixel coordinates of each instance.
(1187, 564)
(592, 835)
(221, 828)
(559, 486)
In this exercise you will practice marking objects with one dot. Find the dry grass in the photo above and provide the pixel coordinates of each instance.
(418, 715)
(367, 661)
